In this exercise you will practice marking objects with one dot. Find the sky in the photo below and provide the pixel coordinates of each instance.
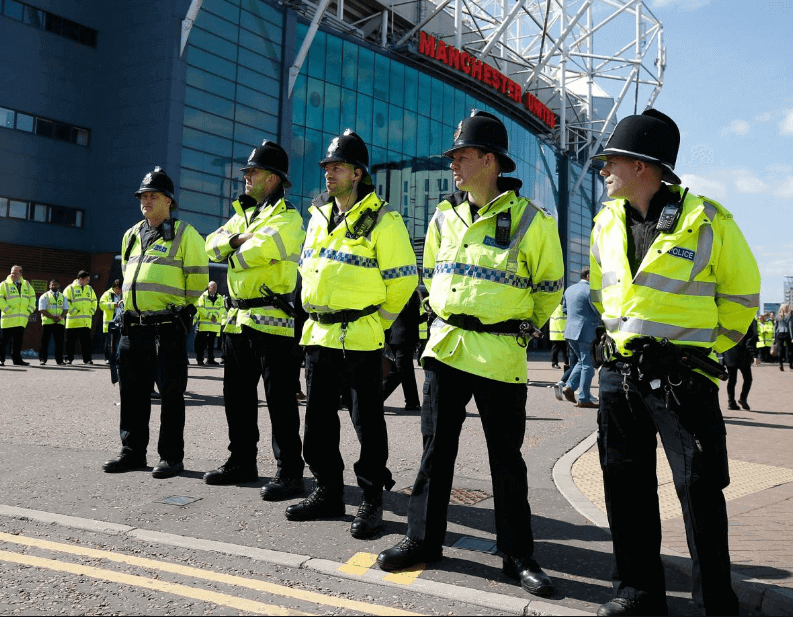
(728, 85)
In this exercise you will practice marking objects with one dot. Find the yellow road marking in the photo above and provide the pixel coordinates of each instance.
(202, 595)
(358, 564)
(406, 576)
(239, 581)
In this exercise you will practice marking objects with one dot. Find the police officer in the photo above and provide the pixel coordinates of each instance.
(17, 302)
(556, 336)
(52, 306)
(112, 304)
(165, 271)
(262, 244)
(493, 267)
(211, 309)
(358, 270)
(674, 280)
(82, 306)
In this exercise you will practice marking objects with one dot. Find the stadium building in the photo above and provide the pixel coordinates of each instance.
(95, 94)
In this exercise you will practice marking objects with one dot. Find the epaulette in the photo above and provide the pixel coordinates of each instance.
(456, 198)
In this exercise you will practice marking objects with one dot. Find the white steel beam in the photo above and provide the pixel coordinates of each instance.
(294, 70)
(187, 23)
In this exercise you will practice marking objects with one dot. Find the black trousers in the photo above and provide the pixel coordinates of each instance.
(53, 331)
(15, 336)
(324, 371)
(694, 439)
(404, 374)
(746, 373)
(783, 344)
(559, 347)
(502, 409)
(84, 334)
(145, 354)
(204, 341)
(251, 356)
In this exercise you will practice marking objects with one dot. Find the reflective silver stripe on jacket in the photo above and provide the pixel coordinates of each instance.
(164, 289)
(595, 241)
(386, 315)
(747, 300)
(215, 244)
(514, 245)
(733, 335)
(608, 279)
(642, 327)
(675, 286)
(437, 219)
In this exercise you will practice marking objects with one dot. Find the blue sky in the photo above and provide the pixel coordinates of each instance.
(729, 86)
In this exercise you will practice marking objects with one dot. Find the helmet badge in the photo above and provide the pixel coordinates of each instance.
(252, 155)
(334, 145)
(147, 179)
(458, 131)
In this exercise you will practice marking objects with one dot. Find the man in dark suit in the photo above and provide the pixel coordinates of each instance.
(403, 340)
(582, 321)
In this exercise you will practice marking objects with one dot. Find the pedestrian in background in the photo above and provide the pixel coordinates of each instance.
(741, 357)
(82, 306)
(556, 335)
(358, 269)
(579, 332)
(783, 336)
(165, 271)
(209, 318)
(17, 303)
(673, 278)
(261, 242)
(53, 306)
(112, 305)
(403, 338)
(493, 267)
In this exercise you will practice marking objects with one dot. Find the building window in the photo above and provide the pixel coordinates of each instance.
(49, 22)
(40, 213)
(44, 127)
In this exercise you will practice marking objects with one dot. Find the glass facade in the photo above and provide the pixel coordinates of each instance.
(233, 59)
(406, 117)
(579, 222)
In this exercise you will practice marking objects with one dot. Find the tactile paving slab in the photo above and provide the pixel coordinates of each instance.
(745, 479)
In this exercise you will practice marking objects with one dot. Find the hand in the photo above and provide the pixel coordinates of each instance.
(240, 239)
(214, 319)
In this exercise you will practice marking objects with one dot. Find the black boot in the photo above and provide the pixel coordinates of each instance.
(232, 473)
(529, 573)
(624, 606)
(280, 488)
(124, 462)
(323, 502)
(406, 554)
(744, 404)
(167, 469)
(732, 405)
(369, 519)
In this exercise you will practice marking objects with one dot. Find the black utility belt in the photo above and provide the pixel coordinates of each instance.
(342, 317)
(248, 304)
(474, 324)
(149, 318)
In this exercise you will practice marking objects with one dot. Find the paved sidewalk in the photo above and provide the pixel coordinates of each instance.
(759, 498)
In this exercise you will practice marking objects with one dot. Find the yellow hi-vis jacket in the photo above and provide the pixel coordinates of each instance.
(82, 305)
(698, 286)
(207, 310)
(106, 303)
(16, 305)
(54, 306)
(352, 273)
(765, 334)
(467, 272)
(557, 324)
(269, 258)
(171, 272)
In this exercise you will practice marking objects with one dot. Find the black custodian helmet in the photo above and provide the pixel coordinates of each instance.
(651, 136)
(348, 148)
(484, 131)
(157, 181)
(272, 157)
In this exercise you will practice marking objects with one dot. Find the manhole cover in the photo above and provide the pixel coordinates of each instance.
(176, 500)
(459, 496)
(476, 544)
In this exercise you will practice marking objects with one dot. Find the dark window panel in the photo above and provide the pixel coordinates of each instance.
(61, 131)
(34, 17)
(43, 127)
(53, 23)
(13, 9)
(88, 36)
